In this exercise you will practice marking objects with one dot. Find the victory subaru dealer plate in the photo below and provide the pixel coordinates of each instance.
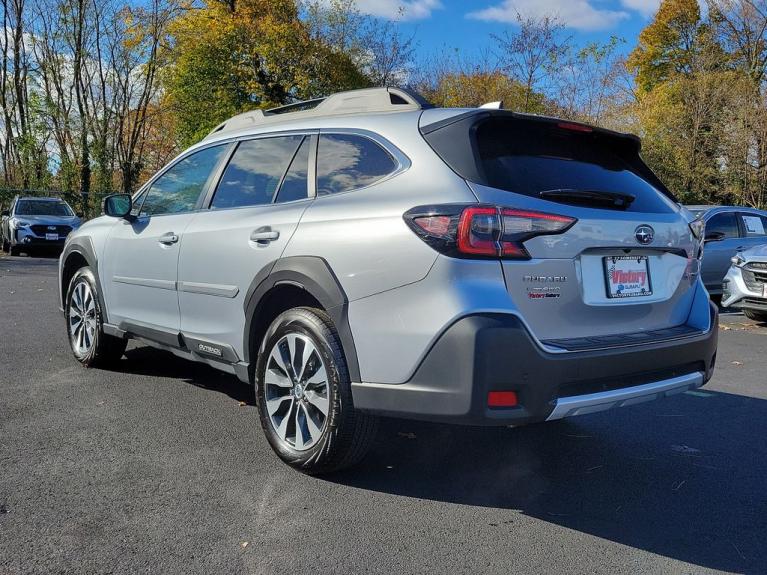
(627, 276)
(53, 237)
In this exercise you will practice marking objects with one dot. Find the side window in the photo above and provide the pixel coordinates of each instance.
(346, 162)
(255, 171)
(178, 189)
(755, 225)
(723, 223)
(295, 185)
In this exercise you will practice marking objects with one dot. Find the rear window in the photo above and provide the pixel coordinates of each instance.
(529, 157)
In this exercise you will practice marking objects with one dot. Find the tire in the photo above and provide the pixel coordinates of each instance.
(14, 250)
(288, 403)
(756, 315)
(89, 344)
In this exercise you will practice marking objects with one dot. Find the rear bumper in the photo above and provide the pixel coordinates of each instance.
(495, 352)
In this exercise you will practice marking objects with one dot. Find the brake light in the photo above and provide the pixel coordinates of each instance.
(572, 126)
(483, 231)
(478, 231)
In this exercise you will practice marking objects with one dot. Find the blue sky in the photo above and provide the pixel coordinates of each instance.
(467, 25)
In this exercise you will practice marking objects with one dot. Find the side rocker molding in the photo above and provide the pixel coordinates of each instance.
(314, 275)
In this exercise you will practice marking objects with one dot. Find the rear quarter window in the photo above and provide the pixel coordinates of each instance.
(349, 161)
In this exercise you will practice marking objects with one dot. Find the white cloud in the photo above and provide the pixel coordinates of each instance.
(403, 9)
(645, 7)
(578, 14)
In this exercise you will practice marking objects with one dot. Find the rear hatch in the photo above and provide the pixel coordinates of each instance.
(626, 264)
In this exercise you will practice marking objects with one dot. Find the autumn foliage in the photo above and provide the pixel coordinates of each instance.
(96, 95)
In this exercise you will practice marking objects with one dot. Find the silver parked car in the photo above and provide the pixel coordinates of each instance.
(366, 254)
(32, 222)
(745, 285)
(729, 230)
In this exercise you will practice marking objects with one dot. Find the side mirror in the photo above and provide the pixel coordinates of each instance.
(713, 237)
(5, 213)
(118, 205)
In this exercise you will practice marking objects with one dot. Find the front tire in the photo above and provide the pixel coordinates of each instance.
(303, 395)
(85, 325)
(756, 315)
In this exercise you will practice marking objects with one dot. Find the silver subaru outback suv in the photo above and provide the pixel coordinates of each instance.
(367, 254)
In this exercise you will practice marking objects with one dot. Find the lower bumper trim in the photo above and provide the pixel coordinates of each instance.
(604, 400)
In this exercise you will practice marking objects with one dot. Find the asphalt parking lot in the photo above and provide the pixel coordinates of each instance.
(159, 466)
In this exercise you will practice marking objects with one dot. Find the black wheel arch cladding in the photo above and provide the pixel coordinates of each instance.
(310, 273)
(83, 247)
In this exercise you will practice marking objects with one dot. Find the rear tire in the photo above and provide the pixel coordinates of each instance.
(85, 325)
(304, 396)
(756, 315)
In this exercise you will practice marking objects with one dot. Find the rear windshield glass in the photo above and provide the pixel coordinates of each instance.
(528, 157)
(42, 208)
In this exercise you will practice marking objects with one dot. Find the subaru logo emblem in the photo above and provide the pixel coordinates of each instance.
(52, 228)
(644, 234)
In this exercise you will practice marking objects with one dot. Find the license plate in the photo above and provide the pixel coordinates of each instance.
(54, 237)
(627, 276)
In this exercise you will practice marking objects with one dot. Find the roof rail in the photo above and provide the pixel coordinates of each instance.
(351, 102)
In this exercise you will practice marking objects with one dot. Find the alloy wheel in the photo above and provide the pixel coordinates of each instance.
(82, 318)
(296, 391)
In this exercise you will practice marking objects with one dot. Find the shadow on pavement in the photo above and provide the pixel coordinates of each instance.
(684, 478)
(157, 363)
(33, 253)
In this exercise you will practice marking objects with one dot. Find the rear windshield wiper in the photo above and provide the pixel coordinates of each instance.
(596, 198)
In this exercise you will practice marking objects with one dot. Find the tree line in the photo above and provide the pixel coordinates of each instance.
(96, 95)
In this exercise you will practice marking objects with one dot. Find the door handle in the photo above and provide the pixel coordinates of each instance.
(168, 239)
(264, 235)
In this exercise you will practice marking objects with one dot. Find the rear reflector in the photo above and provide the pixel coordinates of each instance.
(502, 399)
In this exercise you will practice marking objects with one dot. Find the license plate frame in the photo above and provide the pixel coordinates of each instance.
(52, 237)
(617, 289)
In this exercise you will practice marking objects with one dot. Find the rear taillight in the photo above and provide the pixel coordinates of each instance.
(483, 231)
